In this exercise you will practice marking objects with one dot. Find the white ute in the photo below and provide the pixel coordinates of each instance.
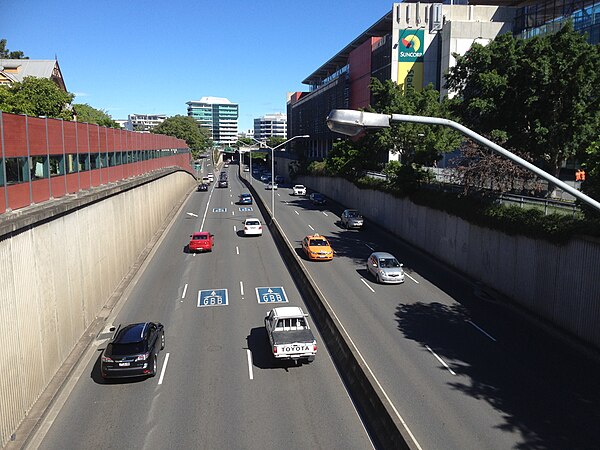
(299, 189)
(289, 334)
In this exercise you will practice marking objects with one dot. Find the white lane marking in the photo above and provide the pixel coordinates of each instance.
(296, 212)
(278, 195)
(192, 214)
(206, 210)
(367, 284)
(411, 278)
(370, 248)
(164, 368)
(309, 226)
(242, 288)
(324, 213)
(232, 203)
(237, 250)
(440, 360)
(233, 213)
(250, 374)
(483, 331)
(371, 373)
(184, 291)
(234, 229)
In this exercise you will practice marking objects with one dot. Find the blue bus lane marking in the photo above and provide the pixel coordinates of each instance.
(271, 295)
(212, 297)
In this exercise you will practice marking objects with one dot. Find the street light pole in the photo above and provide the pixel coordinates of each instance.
(273, 171)
(352, 122)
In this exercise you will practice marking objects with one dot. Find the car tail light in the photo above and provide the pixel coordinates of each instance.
(274, 349)
(106, 359)
(142, 357)
(315, 347)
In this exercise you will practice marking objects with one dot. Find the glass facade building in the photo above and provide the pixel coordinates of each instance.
(217, 115)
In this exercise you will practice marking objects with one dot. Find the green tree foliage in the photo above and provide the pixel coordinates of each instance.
(591, 185)
(186, 128)
(7, 54)
(275, 141)
(86, 113)
(36, 97)
(539, 96)
(418, 144)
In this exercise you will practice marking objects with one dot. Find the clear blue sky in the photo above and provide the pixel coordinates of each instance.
(144, 57)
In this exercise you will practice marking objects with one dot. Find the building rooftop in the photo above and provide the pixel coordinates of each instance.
(212, 100)
(15, 70)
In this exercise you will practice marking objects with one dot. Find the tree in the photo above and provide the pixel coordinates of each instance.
(36, 97)
(275, 141)
(6, 54)
(86, 113)
(538, 96)
(186, 128)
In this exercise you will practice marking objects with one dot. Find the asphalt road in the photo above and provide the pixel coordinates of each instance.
(217, 385)
(463, 370)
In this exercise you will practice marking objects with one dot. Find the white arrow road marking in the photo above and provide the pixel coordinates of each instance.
(192, 214)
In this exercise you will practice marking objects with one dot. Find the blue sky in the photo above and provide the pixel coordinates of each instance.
(146, 57)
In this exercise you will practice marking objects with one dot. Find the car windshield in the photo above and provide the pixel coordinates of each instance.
(388, 262)
(318, 243)
(353, 214)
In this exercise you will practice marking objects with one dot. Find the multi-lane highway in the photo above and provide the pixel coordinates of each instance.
(461, 369)
(217, 386)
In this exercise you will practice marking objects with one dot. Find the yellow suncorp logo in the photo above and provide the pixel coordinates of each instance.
(411, 42)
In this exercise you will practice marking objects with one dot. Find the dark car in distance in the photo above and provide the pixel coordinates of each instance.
(133, 351)
(317, 199)
(202, 187)
(245, 199)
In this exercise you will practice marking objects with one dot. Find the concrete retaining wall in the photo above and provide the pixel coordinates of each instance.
(58, 271)
(558, 283)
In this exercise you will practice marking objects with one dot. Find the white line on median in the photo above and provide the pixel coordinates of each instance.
(164, 368)
(242, 288)
(441, 360)
(370, 248)
(184, 290)
(367, 284)
(296, 212)
(309, 226)
(488, 335)
(324, 213)
(411, 278)
(237, 250)
(250, 374)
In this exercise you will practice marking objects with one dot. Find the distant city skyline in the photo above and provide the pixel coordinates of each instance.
(152, 60)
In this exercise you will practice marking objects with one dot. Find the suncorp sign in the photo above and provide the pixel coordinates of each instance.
(410, 45)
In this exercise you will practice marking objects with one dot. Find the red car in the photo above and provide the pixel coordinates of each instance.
(202, 241)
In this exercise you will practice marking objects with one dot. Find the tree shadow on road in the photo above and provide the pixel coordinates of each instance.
(542, 412)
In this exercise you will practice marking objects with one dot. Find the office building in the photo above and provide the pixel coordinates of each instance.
(144, 122)
(217, 115)
(270, 125)
(413, 45)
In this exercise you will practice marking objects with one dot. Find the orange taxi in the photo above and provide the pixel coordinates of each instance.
(317, 247)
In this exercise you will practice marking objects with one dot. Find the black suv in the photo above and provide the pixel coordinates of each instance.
(133, 351)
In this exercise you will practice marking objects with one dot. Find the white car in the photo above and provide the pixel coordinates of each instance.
(385, 268)
(270, 186)
(299, 189)
(211, 176)
(252, 227)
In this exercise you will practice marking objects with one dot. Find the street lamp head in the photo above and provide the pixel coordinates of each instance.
(352, 122)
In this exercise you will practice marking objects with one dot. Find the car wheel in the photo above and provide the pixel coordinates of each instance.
(310, 359)
(162, 341)
(378, 279)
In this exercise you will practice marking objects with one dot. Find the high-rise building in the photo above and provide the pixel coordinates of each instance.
(413, 45)
(218, 115)
(270, 125)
